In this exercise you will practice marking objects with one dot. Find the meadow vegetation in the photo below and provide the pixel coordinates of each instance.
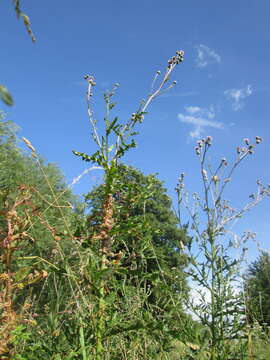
(121, 275)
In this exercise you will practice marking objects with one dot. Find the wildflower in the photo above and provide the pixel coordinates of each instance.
(4, 276)
(56, 333)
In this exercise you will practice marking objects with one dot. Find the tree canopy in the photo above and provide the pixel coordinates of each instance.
(257, 289)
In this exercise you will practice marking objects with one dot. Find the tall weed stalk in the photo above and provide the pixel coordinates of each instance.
(214, 265)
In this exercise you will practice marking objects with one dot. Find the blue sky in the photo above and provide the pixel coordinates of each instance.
(223, 85)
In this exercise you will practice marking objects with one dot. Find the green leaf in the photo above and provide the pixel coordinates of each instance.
(22, 273)
(112, 125)
(5, 96)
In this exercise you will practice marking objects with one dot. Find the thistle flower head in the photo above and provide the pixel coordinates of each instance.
(208, 140)
(197, 150)
(246, 141)
(224, 162)
(175, 60)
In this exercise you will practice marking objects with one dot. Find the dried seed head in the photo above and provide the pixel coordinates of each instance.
(246, 141)
(158, 72)
(238, 150)
(215, 179)
(258, 139)
(179, 57)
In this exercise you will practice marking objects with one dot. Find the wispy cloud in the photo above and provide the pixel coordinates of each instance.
(183, 94)
(237, 96)
(206, 56)
(200, 118)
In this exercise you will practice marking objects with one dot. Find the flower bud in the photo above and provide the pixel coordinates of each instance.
(208, 140)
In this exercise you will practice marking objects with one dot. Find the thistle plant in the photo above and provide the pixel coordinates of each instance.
(118, 138)
(214, 266)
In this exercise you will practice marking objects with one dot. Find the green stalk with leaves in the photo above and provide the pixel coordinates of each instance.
(107, 156)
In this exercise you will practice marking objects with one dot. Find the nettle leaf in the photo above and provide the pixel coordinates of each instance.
(5, 96)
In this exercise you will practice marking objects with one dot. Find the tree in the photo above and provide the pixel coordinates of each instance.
(257, 290)
(150, 240)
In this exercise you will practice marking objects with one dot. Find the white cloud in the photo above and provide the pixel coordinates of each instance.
(237, 96)
(183, 94)
(200, 118)
(206, 56)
